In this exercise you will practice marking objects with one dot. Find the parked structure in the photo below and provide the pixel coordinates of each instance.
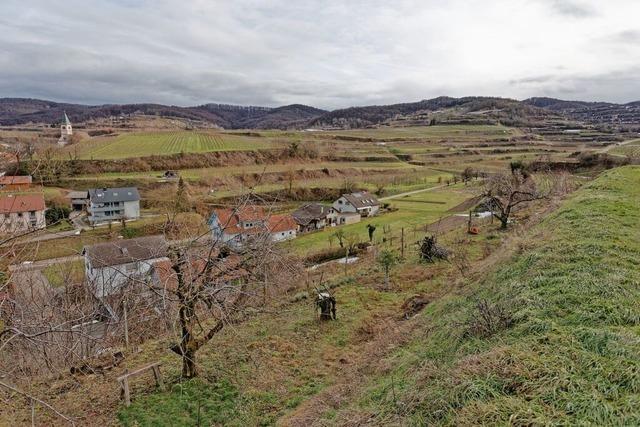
(236, 226)
(15, 182)
(314, 216)
(79, 200)
(20, 213)
(361, 202)
(171, 175)
(109, 266)
(113, 204)
(65, 131)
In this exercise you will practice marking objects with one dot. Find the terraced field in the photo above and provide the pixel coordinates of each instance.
(631, 148)
(159, 143)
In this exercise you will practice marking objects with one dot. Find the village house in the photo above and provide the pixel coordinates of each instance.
(109, 266)
(236, 226)
(113, 204)
(20, 213)
(361, 202)
(314, 216)
(79, 200)
(15, 183)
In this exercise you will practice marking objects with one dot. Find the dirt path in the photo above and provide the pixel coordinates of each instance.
(619, 144)
(408, 193)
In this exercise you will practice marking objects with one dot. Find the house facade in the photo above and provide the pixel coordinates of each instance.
(21, 213)
(361, 202)
(111, 265)
(237, 226)
(15, 183)
(315, 216)
(113, 204)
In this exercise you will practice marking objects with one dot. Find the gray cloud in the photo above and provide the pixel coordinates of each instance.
(328, 54)
(572, 8)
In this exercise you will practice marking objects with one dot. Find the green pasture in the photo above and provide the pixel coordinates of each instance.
(141, 144)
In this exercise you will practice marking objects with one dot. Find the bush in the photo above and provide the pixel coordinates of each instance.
(56, 214)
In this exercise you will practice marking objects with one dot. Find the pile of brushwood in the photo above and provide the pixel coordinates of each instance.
(430, 251)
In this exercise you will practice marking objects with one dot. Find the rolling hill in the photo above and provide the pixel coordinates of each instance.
(532, 112)
(20, 111)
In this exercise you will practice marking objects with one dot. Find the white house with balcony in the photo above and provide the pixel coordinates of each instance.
(113, 204)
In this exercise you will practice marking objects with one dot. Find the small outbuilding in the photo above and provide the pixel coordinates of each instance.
(314, 216)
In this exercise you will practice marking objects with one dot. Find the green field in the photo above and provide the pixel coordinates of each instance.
(415, 210)
(164, 143)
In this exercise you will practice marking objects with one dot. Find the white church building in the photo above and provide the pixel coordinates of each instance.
(65, 131)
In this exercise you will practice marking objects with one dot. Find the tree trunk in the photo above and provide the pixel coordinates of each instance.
(189, 369)
(386, 278)
(504, 221)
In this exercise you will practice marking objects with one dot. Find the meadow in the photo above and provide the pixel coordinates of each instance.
(141, 144)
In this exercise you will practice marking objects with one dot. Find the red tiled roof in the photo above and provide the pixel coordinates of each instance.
(22, 203)
(230, 221)
(279, 223)
(10, 179)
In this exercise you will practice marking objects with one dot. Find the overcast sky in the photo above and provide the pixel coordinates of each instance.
(329, 54)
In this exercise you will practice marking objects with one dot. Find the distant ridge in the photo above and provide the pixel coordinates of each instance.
(473, 109)
(19, 111)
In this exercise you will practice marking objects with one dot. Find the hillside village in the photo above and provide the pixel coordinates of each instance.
(357, 227)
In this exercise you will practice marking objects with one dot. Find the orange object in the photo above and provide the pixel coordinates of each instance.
(474, 230)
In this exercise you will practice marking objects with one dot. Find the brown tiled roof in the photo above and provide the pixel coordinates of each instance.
(362, 199)
(15, 179)
(22, 203)
(126, 251)
(312, 211)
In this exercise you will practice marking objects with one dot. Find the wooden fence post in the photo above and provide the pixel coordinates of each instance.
(158, 377)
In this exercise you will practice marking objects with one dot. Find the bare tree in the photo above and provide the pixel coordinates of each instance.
(505, 192)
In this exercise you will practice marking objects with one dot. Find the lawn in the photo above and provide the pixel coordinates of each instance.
(65, 273)
(142, 144)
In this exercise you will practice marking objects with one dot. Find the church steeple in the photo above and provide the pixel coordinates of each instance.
(65, 130)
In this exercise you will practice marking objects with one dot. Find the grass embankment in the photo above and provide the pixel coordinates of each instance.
(568, 349)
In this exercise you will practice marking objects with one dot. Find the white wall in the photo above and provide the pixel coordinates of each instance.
(12, 223)
(107, 280)
(132, 209)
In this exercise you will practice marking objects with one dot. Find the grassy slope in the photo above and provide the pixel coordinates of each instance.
(572, 355)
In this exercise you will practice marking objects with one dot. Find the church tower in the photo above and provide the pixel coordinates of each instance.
(65, 131)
